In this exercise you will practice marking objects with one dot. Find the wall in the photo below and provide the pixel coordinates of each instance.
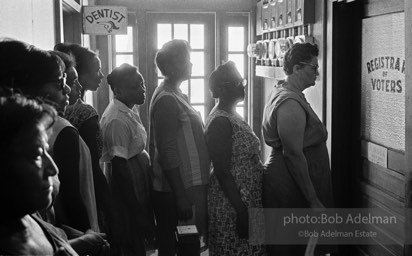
(31, 21)
(171, 5)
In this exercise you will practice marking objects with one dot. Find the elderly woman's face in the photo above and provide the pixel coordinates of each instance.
(309, 71)
(32, 170)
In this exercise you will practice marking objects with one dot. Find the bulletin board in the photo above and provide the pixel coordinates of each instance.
(383, 81)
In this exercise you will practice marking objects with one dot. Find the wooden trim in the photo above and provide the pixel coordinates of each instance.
(382, 197)
(408, 123)
(379, 7)
(387, 180)
(270, 72)
(71, 6)
(391, 232)
(396, 161)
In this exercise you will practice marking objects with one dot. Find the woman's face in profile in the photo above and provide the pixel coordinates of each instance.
(32, 170)
(92, 79)
(184, 66)
(73, 82)
(57, 91)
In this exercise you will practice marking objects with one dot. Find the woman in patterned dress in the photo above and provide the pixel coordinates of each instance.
(236, 178)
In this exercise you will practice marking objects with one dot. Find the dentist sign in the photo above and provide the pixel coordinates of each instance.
(104, 20)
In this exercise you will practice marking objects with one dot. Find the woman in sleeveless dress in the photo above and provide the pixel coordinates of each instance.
(297, 173)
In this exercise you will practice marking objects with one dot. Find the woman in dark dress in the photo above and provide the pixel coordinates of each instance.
(85, 118)
(26, 182)
(297, 173)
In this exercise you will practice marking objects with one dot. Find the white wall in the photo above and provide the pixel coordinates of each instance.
(31, 21)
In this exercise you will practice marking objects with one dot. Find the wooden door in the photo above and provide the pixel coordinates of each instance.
(368, 109)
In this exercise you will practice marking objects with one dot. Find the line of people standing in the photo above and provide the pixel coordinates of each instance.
(208, 175)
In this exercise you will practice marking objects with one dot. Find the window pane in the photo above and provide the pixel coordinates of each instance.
(180, 31)
(240, 111)
(197, 59)
(164, 34)
(197, 36)
(197, 91)
(159, 81)
(124, 43)
(159, 73)
(238, 59)
(88, 97)
(236, 39)
(201, 110)
(124, 58)
(184, 87)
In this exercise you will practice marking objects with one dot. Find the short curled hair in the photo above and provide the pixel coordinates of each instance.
(67, 58)
(18, 114)
(120, 75)
(300, 52)
(83, 56)
(169, 53)
(226, 72)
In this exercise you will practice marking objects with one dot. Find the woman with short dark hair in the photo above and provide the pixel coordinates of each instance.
(177, 149)
(26, 182)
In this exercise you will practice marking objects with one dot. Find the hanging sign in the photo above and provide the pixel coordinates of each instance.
(104, 20)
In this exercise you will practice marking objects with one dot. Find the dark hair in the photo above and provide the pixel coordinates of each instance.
(300, 52)
(120, 75)
(31, 68)
(67, 58)
(17, 114)
(13, 55)
(226, 72)
(83, 56)
(170, 52)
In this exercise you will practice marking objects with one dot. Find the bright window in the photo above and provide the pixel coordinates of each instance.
(194, 88)
(123, 48)
(236, 52)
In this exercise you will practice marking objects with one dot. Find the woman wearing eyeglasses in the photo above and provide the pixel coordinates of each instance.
(236, 177)
(297, 173)
(40, 73)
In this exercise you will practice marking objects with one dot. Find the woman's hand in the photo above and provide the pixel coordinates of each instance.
(242, 223)
(310, 248)
(91, 243)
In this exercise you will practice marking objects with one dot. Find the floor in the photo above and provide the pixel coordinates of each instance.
(154, 253)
